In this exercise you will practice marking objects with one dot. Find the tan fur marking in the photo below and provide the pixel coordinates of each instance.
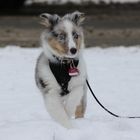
(80, 110)
(60, 48)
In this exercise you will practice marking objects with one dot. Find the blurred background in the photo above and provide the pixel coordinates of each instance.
(108, 22)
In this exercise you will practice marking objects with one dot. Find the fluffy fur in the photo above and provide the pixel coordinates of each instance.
(62, 39)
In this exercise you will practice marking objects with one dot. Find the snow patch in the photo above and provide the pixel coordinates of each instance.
(114, 74)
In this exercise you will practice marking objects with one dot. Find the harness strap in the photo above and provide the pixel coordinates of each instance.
(61, 72)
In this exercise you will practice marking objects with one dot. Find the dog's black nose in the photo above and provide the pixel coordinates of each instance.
(73, 50)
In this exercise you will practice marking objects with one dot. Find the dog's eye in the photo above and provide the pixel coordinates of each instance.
(75, 35)
(54, 34)
(61, 37)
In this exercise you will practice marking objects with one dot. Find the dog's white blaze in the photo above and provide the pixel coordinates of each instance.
(69, 28)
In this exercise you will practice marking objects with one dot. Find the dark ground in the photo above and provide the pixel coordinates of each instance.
(110, 27)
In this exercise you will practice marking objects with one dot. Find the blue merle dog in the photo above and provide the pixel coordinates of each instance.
(60, 69)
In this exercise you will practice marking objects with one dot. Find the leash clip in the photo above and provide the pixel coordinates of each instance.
(73, 71)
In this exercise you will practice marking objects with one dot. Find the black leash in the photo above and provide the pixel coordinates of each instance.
(101, 105)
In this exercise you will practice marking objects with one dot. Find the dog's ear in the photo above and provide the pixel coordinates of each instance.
(76, 17)
(49, 20)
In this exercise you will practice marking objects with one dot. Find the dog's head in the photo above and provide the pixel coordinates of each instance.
(64, 35)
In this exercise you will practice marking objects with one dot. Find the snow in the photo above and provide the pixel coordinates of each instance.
(79, 1)
(114, 74)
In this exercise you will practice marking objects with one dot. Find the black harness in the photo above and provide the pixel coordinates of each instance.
(60, 71)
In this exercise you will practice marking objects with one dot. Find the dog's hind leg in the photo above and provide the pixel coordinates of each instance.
(73, 100)
(80, 109)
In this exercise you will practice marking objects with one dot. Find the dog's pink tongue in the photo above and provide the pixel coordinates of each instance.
(73, 72)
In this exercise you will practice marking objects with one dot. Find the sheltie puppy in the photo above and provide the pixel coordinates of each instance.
(60, 69)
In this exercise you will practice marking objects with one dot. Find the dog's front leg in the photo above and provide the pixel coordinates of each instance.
(74, 100)
(56, 109)
(51, 92)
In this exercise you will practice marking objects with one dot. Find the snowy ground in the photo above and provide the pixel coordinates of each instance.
(115, 77)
